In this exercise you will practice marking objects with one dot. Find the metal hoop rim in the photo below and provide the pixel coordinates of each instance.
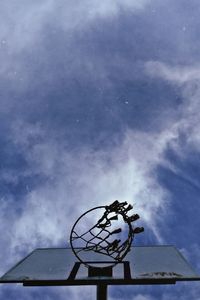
(131, 235)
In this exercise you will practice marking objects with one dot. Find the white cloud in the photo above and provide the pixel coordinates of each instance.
(50, 293)
(174, 74)
(76, 182)
(28, 27)
(138, 296)
(187, 80)
(142, 297)
(22, 22)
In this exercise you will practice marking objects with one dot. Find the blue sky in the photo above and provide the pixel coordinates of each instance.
(99, 100)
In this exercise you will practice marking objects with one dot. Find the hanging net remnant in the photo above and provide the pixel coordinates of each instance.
(102, 238)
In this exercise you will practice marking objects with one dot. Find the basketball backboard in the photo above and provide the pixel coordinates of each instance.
(142, 265)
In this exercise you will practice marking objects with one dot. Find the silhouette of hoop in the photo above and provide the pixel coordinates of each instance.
(115, 249)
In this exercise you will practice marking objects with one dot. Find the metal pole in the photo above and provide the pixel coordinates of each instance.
(102, 292)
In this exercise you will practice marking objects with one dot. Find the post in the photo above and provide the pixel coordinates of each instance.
(102, 291)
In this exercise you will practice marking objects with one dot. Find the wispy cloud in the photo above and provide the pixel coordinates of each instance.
(75, 182)
(174, 74)
(22, 23)
(184, 131)
(43, 50)
(187, 78)
(50, 293)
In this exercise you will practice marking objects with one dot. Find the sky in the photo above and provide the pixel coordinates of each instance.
(99, 100)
